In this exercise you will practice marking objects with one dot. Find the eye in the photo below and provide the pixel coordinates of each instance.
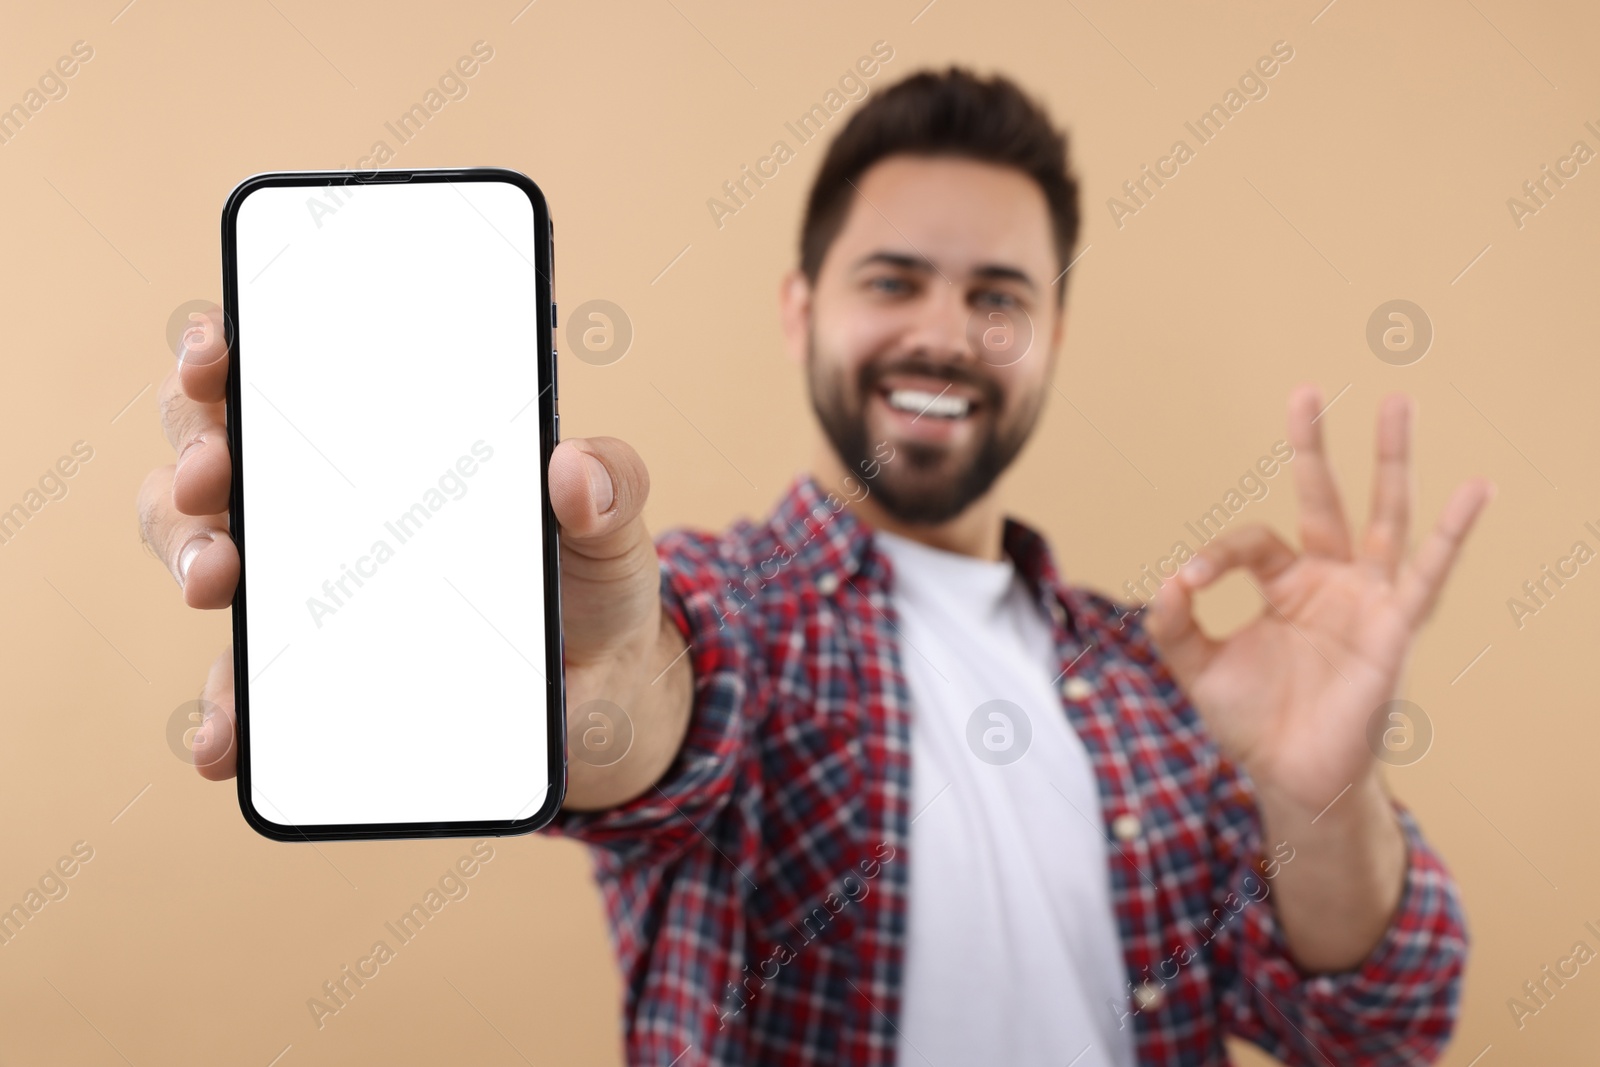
(889, 285)
(995, 298)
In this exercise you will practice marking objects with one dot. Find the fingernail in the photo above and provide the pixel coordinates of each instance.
(600, 482)
(191, 548)
(190, 447)
(1197, 571)
(193, 348)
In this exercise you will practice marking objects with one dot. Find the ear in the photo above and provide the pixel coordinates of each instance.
(1058, 328)
(794, 308)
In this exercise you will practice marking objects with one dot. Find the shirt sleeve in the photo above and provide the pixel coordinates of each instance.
(659, 825)
(1397, 1007)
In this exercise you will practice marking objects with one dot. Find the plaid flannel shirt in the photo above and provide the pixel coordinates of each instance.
(757, 894)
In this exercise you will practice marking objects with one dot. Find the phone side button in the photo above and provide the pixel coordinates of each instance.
(558, 427)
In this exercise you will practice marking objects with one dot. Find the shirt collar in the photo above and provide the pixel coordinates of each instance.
(821, 531)
(826, 538)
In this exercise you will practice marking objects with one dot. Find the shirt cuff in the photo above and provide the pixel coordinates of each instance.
(658, 824)
(1405, 993)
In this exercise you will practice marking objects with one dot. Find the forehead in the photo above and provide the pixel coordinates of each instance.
(956, 212)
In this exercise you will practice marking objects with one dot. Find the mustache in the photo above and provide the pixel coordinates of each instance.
(872, 375)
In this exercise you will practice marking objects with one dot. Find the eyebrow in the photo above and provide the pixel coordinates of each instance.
(920, 264)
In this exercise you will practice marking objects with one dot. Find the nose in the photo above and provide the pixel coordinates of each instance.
(939, 327)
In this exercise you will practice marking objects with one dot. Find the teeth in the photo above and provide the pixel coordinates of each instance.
(921, 402)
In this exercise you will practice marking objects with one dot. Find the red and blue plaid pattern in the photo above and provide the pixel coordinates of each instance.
(757, 894)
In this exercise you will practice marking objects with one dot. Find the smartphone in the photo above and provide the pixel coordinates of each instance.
(391, 410)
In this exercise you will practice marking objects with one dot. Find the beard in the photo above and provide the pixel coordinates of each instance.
(926, 484)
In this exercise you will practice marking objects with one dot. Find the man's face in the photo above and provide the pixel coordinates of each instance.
(931, 329)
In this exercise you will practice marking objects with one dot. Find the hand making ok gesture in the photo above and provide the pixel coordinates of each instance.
(1288, 697)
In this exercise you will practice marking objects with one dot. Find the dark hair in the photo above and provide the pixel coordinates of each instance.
(943, 113)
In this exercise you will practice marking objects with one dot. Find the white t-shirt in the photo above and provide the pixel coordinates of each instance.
(1012, 953)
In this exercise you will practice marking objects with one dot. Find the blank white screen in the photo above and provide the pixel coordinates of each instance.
(380, 343)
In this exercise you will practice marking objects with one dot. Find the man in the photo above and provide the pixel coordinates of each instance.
(898, 793)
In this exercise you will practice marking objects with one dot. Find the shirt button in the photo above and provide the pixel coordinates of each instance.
(1126, 826)
(1148, 996)
(828, 584)
(1077, 688)
(1058, 613)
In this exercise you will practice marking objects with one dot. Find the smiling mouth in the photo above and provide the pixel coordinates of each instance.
(929, 405)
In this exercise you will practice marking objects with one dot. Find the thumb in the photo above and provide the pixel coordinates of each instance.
(598, 486)
(610, 574)
(1171, 624)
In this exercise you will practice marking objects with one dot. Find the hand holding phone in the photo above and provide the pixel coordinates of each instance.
(618, 644)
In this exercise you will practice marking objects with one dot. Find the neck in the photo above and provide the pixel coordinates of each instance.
(976, 531)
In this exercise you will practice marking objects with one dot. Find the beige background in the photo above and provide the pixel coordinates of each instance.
(1378, 167)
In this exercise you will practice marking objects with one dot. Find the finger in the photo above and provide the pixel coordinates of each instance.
(1323, 530)
(598, 486)
(203, 357)
(196, 548)
(215, 755)
(197, 431)
(610, 573)
(1254, 547)
(182, 416)
(1424, 576)
(1171, 624)
(204, 476)
(1384, 545)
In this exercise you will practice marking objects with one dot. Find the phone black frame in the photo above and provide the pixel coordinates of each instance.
(549, 435)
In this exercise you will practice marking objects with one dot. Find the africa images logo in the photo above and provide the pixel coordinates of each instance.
(403, 528)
